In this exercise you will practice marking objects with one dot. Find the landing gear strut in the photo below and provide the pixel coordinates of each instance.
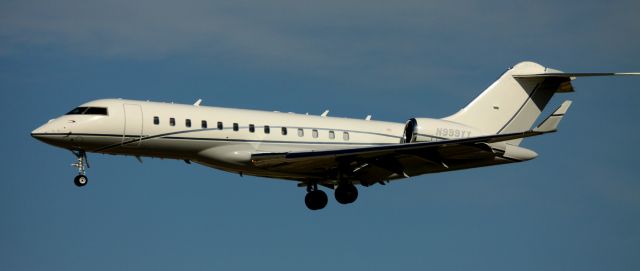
(81, 165)
(315, 199)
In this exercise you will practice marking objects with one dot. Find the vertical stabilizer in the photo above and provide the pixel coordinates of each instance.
(511, 104)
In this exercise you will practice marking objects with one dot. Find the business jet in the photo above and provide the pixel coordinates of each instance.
(336, 153)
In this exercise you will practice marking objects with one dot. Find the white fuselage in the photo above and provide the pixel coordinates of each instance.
(226, 138)
(130, 128)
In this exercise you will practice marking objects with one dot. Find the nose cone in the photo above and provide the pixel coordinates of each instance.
(49, 133)
(39, 132)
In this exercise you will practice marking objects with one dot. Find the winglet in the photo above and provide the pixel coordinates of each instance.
(550, 124)
(197, 103)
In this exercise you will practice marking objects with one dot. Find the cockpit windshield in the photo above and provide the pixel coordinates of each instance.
(88, 111)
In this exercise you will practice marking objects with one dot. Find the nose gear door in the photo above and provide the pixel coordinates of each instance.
(132, 134)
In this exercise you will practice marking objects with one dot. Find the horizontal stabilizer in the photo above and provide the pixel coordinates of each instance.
(550, 124)
(574, 74)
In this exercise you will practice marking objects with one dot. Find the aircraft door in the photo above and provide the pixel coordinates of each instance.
(132, 134)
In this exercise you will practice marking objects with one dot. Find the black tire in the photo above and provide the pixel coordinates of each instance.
(316, 200)
(346, 193)
(80, 180)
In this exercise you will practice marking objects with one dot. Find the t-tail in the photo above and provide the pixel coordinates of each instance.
(514, 101)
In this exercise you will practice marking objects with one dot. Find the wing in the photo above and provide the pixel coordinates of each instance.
(378, 163)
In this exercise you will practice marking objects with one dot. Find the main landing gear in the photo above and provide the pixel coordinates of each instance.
(316, 199)
(81, 164)
(346, 193)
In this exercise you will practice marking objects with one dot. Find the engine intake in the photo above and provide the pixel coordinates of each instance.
(428, 130)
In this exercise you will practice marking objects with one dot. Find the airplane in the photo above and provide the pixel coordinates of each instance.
(336, 153)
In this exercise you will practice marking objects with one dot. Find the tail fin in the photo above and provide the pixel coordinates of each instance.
(512, 103)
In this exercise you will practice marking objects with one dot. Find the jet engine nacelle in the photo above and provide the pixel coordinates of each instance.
(426, 130)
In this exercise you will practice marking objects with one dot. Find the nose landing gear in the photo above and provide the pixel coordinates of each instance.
(81, 164)
(80, 180)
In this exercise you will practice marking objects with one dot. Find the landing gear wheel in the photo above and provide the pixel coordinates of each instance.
(346, 193)
(316, 200)
(80, 180)
(81, 165)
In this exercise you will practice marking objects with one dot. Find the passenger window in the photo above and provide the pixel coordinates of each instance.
(172, 121)
(314, 133)
(332, 135)
(345, 136)
(267, 129)
(284, 130)
(204, 124)
(235, 126)
(156, 120)
(187, 122)
(252, 128)
(220, 127)
(300, 132)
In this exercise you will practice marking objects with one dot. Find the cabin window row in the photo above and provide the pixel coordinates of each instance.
(187, 122)
(252, 128)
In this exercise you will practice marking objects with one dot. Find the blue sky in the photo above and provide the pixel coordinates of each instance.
(575, 207)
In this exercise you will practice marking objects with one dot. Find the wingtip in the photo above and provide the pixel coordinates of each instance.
(550, 124)
(564, 107)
